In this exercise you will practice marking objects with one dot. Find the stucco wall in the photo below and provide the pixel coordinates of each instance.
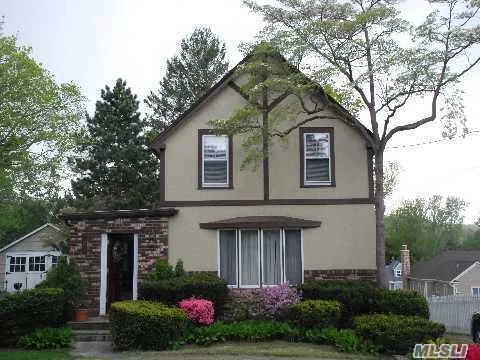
(181, 160)
(32, 243)
(345, 240)
(469, 279)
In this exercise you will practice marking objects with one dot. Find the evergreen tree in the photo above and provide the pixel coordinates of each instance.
(115, 167)
(200, 63)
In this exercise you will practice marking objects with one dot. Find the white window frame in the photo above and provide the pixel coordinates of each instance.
(260, 257)
(478, 290)
(398, 272)
(227, 153)
(313, 183)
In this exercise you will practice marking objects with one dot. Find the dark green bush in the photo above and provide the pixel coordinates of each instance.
(402, 302)
(146, 325)
(249, 330)
(23, 312)
(164, 271)
(397, 334)
(47, 338)
(204, 285)
(344, 340)
(356, 296)
(315, 313)
(66, 276)
(364, 297)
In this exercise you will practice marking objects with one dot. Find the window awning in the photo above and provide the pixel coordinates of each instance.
(255, 222)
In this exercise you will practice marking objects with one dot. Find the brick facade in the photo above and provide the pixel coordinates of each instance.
(340, 274)
(85, 247)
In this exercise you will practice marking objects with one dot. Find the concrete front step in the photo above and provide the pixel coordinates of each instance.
(92, 335)
(91, 324)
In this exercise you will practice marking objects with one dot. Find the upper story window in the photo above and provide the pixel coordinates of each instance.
(215, 160)
(398, 272)
(317, 161)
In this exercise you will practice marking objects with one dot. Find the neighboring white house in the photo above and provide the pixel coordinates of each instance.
(394, 275)
(26, 261)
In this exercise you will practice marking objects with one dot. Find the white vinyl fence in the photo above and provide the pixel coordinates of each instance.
(455, 312)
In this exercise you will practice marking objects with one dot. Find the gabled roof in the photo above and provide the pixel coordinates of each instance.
(30, 234)
(158, 142)
(445, 266)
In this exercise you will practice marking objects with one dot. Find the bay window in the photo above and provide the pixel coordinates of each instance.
(260, 257)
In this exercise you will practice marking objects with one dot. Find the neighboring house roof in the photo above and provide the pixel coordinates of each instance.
(159, 141)
(255, 222)
(445, 266)
(30, 234)
(113, 214)
(390, 271)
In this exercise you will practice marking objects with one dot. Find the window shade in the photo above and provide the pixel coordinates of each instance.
(293, 257)
(249, 258)
(272, 265)
(228, 256)
(215, 160)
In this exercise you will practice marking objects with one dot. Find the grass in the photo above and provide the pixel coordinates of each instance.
(275, 348)
(14, 354)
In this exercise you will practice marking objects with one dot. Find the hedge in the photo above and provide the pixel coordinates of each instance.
(363, 297)
(314, 314)
(146, 325)
(23, 312)
(202, 285)
(397, 334)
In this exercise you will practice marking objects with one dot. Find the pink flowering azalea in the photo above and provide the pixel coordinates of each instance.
(279, 296)
(198, 310)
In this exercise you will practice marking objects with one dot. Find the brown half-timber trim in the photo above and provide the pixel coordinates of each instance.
(114, 214)
(202, 132)
(264, 222)
(328, 130)
(371, 186)
(343, 201)
(161, 154)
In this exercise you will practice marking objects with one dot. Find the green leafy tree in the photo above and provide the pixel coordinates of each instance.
(362, 47)
(390, 179)
(200, 63)
(427, 226)
(39, 122)
(115, 168)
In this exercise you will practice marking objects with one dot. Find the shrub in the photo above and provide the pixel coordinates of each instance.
(198, 310)
(315, 314)
(356, 296)
(401, 302)
(279, 296)
(48, 338)
(66, 276)
(202, 285)
(397, 334)
(364, 297)
(164, 271)
(23, 312)
(244, 304)
(146, 325)
(344, 340)
(250, 330)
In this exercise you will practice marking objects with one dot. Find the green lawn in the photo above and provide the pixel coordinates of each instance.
(34, 355)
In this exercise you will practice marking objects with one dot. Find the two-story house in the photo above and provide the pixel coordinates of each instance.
(306, 212)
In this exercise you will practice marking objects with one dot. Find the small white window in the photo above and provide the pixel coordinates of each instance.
(36, 263)
(17, 263)
(475, 291)
(215, 161)
(391, 285)
(317, 162)
(398, 272)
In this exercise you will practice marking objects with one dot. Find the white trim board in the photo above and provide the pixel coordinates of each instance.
(28, 235)
(465, 271)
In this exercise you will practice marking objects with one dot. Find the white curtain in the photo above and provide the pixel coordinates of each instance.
(271, 257)
(293, 256)
(228, 256)
(249, 257)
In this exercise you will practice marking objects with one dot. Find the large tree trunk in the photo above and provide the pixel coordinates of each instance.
(380, 219)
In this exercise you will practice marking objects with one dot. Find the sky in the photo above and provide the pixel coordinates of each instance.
(94, 42)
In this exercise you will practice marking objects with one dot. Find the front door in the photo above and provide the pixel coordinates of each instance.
(120, 263)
